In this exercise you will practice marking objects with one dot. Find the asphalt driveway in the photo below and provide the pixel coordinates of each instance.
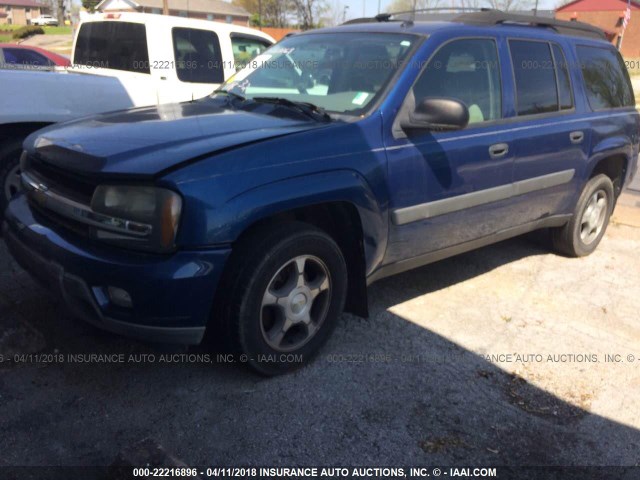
(508, 355)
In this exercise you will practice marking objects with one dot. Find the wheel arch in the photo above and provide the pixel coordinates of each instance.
(10, 131)
(614, 166)
(338, 202)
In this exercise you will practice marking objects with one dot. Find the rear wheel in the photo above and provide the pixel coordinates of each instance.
(586, 228)
(288, 288)
(9, 172)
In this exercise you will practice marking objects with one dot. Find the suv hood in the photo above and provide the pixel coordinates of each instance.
(146, 141)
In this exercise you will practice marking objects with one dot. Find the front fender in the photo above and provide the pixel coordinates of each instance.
(226, 223)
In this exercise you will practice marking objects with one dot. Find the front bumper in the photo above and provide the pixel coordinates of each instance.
(172, 295)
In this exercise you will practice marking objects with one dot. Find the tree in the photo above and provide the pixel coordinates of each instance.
(90, 5)
(267, 13)
(309, 12)
(507, 5)
(334, 14)
(408, 5)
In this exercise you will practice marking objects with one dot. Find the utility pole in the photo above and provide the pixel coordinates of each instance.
(344, 13)
(260, 13)
(165, 7)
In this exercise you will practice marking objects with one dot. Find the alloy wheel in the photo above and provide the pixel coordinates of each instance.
(295, 303)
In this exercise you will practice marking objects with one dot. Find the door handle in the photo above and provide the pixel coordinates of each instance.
(498, 150)
(576, 137)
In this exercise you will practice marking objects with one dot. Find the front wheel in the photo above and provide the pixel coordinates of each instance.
(583, 233)
(9, 172)
(288, 289)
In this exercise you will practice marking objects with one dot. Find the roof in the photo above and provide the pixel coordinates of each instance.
(437, 16)
(219, 7)
(23, 3)
(60, 60)
(429, 28)
(221, 28)
(597, 6)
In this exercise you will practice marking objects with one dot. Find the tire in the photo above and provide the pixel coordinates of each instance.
(276, 318)
(582, 234)
(10, 152)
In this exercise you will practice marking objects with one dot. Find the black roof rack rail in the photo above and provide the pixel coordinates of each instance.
(496, 17)
(387, 17)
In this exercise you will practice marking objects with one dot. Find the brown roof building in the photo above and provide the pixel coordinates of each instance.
(216, 10)
(609, 16)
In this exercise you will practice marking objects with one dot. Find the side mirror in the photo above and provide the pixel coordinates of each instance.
(437, 113)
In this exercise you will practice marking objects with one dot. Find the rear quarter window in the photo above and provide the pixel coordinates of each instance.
(113, 45)
(605, 78)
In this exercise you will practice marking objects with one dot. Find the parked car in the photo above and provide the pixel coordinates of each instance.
(45, 20)
(24, 56)
(261, 212)
(131, 60)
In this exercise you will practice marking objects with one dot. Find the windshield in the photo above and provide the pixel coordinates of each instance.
(340, 73)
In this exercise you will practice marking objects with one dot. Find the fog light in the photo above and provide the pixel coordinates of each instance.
(120, 297)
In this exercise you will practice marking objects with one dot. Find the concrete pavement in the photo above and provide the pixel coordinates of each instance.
(508, 355)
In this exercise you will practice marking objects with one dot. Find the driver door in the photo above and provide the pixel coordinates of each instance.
(448, 187)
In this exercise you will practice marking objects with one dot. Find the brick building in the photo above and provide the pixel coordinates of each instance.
(608, 15)
(216, 10)
(20, 12)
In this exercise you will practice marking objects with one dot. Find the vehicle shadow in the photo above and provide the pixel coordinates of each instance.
(384, 391)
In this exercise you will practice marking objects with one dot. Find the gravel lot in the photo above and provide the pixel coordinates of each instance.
(426, 380)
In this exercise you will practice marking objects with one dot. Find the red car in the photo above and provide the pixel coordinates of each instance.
(24, 56)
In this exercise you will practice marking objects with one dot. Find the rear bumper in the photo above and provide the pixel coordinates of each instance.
(172, 295)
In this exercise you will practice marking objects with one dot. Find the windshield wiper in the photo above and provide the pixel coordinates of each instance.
(231, 95)
(308, 109)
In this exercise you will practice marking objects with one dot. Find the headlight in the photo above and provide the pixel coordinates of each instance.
(137, 216)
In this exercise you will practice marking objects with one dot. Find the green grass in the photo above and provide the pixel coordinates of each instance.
(10, 28)
(63, 30)
(5, 39)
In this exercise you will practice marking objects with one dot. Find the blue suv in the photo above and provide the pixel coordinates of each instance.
(337, 157)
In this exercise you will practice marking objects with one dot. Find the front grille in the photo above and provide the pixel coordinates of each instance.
(66, 184)
(51, 219)
(71, 185)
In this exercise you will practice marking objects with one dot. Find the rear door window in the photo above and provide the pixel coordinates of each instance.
(562, 74)
(113, 45)
(246, 49)
(605, 77)
(197, 55)
(533, 69)
(21, 56)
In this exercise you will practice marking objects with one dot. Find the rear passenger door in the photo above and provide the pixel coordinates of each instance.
(550, 138)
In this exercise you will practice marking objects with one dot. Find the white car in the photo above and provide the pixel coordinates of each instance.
(45, 20)
(121, 60)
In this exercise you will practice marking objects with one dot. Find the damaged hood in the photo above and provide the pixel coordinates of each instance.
(146, 141)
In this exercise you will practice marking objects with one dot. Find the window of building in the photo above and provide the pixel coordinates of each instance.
(182, 13)
(229, 19)
(209, 16)
(157, 11)
(536, 88)
(606, 78)
(197, 55)
(469, 71)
